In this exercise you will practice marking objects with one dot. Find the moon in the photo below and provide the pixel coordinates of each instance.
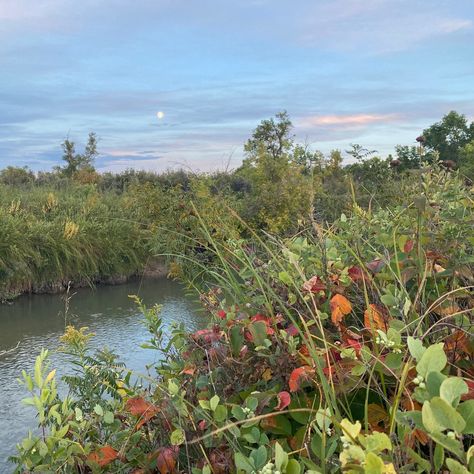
(160, 115)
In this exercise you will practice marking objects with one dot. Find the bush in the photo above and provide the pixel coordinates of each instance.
(346, 348)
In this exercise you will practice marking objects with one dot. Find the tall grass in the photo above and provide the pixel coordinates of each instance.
(48, 237)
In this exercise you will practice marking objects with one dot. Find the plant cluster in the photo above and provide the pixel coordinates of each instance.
(346, 348)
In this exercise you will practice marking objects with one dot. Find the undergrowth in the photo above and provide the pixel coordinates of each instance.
(345, 348)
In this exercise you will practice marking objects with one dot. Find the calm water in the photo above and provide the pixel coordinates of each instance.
(37, 321)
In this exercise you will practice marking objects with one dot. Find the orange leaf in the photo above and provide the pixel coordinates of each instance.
(340, 307)
(298, 375)
(374, 318)
(138, 406)
(189, 370)
(104, 456)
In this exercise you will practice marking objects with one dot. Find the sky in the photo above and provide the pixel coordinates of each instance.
(182, 83)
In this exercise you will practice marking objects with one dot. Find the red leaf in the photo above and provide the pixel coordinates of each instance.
(104, 456)
(355, 273)
(291, 330)
(138, 406)
(470, 394)
(284, 400)
(166, 460)
(356, 345)
(314, 285)
(408, 247)
(208, 335)
(298, 375)
(340, 307)
(221, 314)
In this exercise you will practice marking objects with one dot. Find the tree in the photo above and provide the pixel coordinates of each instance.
(408, 157)
(449, 136)
(272, 136)
(75, 161)
(280, 190)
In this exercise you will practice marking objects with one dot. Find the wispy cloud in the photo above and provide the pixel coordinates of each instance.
(351, 120)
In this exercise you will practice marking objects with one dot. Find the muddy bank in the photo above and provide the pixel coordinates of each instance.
(153, 269)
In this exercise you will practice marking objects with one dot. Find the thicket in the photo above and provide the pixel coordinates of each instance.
(341, 333)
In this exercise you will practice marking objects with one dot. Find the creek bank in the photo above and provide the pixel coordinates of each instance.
(154, 268)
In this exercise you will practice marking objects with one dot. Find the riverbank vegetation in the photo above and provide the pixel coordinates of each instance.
(340, 300)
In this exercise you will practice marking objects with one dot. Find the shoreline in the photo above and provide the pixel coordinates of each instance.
(153, 269)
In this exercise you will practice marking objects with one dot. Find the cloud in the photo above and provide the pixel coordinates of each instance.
(351, 120)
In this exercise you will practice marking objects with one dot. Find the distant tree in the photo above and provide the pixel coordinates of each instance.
(79, 161)
(280, 192)
(272, 136)
(449, 136)
(309, 160)
(408, 157)
(16, 176)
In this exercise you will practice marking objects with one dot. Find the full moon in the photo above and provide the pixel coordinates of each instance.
(160, 115)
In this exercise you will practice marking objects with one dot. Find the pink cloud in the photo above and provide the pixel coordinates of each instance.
(350, 120)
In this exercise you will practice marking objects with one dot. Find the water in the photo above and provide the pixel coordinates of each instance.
(37, 321)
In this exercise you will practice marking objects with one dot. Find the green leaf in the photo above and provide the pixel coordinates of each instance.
(350, 430)
(281, 458)
(177, 437)
(99, 410)
(373, 464)
(456, 467)
(285, 278)
(438, 415)
(78, 413)
(415, 346)
(358, 369)
(236, 340)
(109, 417)
(438, 457)
(243, 463)
(452, 389)
(213, 402)
(389, 300)
(293, 467)
(220, 413)
(377, 442)
(252, 403)
(259, 456)
(466, 410)
(258, 329)
(238, 413)
(452, 445)
(433, 360)
(204, 404)
(433, 383)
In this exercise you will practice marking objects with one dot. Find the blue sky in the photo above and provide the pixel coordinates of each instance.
(374, 72)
